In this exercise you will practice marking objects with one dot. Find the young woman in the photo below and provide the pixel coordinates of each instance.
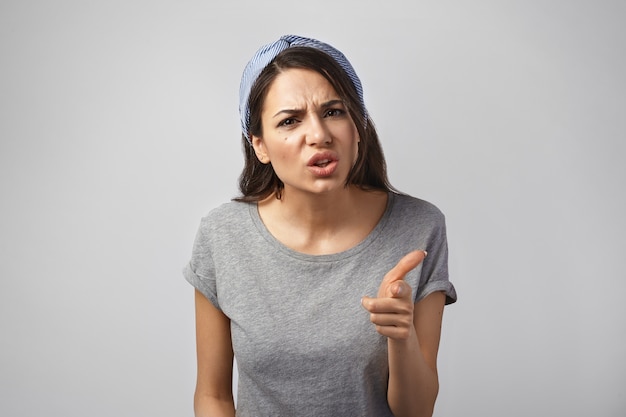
(316, 278)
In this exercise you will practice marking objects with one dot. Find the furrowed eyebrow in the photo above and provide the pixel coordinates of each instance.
(332, 103)
(288, 111)
(291, 112)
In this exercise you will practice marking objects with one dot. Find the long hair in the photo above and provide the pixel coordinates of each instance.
(257, 180)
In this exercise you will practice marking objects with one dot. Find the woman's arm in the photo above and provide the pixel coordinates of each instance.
(413, 332)
(413, 378)
(214, 395)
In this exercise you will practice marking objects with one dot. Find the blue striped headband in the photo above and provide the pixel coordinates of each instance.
(266, 54)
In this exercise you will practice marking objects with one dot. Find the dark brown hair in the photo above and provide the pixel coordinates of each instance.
(257, 180)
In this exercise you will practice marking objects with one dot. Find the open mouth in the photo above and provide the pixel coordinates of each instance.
(322, 163)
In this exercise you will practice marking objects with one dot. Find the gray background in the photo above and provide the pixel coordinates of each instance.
(119, 130)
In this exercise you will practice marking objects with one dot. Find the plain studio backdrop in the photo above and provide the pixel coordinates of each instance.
(119, 131)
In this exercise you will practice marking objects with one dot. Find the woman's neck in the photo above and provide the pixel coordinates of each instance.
(323, 223)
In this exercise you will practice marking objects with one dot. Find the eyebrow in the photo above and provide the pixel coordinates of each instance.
(327, 104)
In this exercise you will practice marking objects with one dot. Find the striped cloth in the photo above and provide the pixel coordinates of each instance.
(266, 54)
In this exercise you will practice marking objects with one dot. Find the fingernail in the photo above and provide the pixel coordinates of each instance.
(399, 290)
(425, 254)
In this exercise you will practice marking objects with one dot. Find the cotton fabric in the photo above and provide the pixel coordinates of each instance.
(304, 344)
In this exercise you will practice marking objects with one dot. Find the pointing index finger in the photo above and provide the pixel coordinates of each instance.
(404, 265)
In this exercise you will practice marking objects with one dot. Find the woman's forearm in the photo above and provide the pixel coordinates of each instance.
(209, 406)
(413, 385)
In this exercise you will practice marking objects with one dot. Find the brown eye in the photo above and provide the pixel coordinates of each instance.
(287, 122)
(334, 113)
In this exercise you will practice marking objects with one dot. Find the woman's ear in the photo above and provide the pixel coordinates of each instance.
(260, 150)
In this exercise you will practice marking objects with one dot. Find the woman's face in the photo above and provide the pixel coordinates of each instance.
(308, 135)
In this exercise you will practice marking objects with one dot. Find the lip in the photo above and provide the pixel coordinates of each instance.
(326, 170)
(321, 156)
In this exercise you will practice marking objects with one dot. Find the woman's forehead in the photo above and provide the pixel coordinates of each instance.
(297, 87)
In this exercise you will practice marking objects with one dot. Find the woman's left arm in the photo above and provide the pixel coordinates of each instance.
(413, 378)
(413, 332)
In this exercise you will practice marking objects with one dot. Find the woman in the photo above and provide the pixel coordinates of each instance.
(316, 279)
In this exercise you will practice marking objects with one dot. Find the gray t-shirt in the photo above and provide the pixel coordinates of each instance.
(304, 344)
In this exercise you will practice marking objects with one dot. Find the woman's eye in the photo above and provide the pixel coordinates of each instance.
(287, 122)
(334, 112)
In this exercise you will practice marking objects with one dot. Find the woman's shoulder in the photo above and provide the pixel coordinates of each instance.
(416, 222)
(226, 215)
(407, 205)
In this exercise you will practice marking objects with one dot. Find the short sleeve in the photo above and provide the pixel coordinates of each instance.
(434, 276)
(200, 271)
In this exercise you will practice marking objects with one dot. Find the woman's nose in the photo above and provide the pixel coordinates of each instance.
(317, 132)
